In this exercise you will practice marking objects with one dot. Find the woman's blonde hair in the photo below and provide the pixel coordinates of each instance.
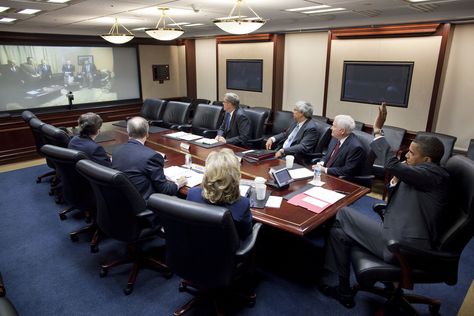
(221, 178)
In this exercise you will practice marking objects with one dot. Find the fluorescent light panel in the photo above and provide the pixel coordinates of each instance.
(324, 10)
(2, 9)
(28, 11)
(7, 20)
(58, 1)
(323, 6)
(195, 24)
(418, 0)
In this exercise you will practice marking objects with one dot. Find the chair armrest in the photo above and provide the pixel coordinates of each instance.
(184, 127)
(145, 214)
(428, 255)
(314, 158)
(2, 287)
(255, 143)
(379, 208)
(155, 122)
(210, 133)
(247, 245)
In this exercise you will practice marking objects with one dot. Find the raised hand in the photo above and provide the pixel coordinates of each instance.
(381, 117)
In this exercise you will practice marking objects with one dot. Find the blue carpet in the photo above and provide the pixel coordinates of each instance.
(46, 274)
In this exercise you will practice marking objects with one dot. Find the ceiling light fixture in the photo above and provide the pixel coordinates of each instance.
(237, 24)
(324, 10)
(2, 9)
(115, 37)
(28, 11)
(164, 33)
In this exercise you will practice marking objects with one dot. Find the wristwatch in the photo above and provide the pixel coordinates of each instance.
(378, 131)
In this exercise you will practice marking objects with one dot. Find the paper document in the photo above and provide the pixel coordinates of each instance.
(177, 135)
(326, 195)
(274, 201)
(190, 137)
(207, 141)
(300, 173)
(244, 190)
(315, 202)
(175, 172)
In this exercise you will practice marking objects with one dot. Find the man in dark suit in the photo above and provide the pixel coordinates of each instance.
(68, 72)
(44, 71)
(143, 165)
(88, 72)
(300, 138)
(235, 128)
(414, 212)
(345, 155)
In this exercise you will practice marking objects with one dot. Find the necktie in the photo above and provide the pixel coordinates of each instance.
(228, 121)
(333, 155)
(291, 137)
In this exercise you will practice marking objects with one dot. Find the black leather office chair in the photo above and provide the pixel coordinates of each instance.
(193, 106)
(152, 110)
(321, 118)
(448, 142)
(35, 125)
(6, 306)
(324, 131)
(394, 136)
(76, 190)
(122, 214)
(439, 265)
(175, 114)
(281, 122)
(359, 125)
(202, 246)
(205, 122)
(27, 116)
(55, 136)
(257, 118)
(470, 150)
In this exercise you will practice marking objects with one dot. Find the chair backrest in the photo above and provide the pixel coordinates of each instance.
(55, 136)
(27, 115)
(152, 109)
(219, 103)
(201, 240)
(324, 131)
(257, 118)
(365, 139)
(35, 126)
(118, 201)
(394, 137)
(176, 113)
(448, 142)
(281, 121)
(76, 189)
(470, 150)
(359, 125)
(321, 118)
(206, 117)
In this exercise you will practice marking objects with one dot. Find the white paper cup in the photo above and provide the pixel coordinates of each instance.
(260, 180)
(289, 161)
(260, 190)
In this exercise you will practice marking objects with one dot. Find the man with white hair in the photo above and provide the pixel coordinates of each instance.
(346, 155)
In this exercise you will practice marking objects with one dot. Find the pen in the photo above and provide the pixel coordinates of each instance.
(342, 192)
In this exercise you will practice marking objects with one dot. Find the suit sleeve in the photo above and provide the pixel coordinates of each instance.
(306, 144)
(100, 156)
(353, 164)
(158, 178)
(243, 126)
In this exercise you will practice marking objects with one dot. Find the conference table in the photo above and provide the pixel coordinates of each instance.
(294, 219)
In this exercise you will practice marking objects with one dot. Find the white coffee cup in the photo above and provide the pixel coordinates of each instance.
(289, 161)
(259, 180)
(260, 190)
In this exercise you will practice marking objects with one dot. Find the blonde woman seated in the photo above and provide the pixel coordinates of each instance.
(220, 186)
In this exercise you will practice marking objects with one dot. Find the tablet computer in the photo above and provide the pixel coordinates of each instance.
(282, 177)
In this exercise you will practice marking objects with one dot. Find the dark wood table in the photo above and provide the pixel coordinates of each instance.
(294, 219)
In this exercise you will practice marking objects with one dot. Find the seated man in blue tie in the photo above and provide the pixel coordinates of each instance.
(302, 136)
(235, 128)
(345, 155)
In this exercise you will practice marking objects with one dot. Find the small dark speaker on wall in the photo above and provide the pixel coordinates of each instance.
(161, 73)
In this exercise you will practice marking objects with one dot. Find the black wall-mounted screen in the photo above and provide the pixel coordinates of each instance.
(245, 74)
(376, 82)
(95, 76)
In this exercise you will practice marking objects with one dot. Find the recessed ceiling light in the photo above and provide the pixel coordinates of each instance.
(324, 10)
(179, 23)
(323, 6)
(7, 20)
(29, 11)
(418, 0)
(2, 9)
(59, 1)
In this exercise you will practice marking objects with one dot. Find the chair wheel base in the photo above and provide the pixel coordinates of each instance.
(62, 216)
(38, 180)
(103, 272)
(74, 237)
(182, 287)
(128, 290)
(94, 249)
(434, 309)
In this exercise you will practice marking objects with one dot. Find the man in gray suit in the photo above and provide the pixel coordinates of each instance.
(301, 137)
(414, 213)
(235, 127)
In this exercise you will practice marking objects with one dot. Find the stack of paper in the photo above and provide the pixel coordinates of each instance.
(300, 173)
(175, 172)
(183, 136)
(207, 141)
(316, 199)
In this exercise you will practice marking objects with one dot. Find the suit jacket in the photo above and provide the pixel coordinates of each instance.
(240, 211)
(92, 69)
(239, 131)
(144, 168)
(45, 72)
(416, 210)
(94, 151)
(68, 69)
(350, 158)
(304, 141)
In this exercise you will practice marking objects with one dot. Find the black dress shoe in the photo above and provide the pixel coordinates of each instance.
(346, 298)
